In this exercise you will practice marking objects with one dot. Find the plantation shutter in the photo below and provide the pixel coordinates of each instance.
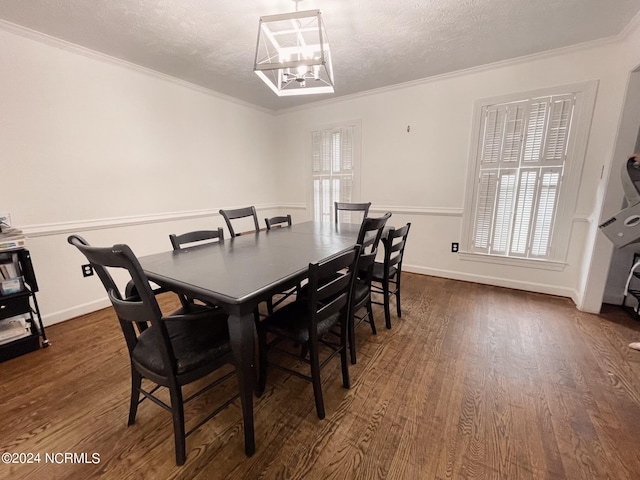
(522, 157)
(333, 157)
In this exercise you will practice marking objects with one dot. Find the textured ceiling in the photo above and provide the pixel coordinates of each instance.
(374, 43)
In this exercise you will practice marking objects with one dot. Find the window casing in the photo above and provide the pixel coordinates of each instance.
(334, 173)
(526, 170)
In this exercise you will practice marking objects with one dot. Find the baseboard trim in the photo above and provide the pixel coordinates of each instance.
(76, 311)
(495, 281)
(67, 314)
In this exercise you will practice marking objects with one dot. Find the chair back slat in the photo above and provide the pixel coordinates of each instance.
(141, 305)
(333, 297)
(371, 232)
(234, 214)
(278, 222)
(394, 245)
(351, 207)
(365, 266)
(330, 285)
(395, 253)
(181, 241)
(333, 286)
(178, 242)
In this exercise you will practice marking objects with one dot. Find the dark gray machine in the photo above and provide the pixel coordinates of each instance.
(624, 228)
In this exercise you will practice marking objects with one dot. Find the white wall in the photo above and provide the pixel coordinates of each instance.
(421, 175)
(609, 195)
(119, 155)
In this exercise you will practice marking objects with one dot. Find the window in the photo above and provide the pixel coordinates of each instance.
(334, 163)
(526, 154)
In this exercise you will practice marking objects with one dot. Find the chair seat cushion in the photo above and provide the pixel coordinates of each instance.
(292, 321)
(378, 271)
(360, 292)
(195, 343)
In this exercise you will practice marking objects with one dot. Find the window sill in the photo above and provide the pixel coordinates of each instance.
(514, 262)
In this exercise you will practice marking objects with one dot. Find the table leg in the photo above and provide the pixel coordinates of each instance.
(241, 333)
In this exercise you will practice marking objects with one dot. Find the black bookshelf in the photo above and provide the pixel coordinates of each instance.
(21, 303)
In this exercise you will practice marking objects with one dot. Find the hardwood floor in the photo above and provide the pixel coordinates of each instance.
(474, 382)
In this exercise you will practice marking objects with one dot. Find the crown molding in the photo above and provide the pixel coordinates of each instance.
(71, 47)
(631, 27)
(460, 73)
(102, 57)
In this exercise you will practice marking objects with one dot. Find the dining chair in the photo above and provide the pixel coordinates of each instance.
(369, 237)
(279, 222)
(388, 272)
(238, 213)
(307, 321)
(198, 237)
(284, 221)
(350, 207)
(170, 351)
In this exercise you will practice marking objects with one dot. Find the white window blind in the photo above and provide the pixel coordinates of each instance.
(522, 159)
(333, 169)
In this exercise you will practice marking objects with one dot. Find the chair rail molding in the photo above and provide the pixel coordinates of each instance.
(414, 210)
(58, 228)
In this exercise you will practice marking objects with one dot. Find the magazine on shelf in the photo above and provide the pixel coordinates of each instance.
(8, 270)
(10, 275)
(14, 328)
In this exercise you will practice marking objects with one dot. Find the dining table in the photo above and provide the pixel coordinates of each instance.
(239, 273)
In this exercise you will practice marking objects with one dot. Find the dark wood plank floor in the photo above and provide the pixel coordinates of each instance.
(474, 382)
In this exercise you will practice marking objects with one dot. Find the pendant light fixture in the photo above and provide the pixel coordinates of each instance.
(292, 53)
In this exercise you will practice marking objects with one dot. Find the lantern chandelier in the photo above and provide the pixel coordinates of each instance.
(292, 54)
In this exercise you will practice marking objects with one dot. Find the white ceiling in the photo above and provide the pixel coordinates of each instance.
(374, 43)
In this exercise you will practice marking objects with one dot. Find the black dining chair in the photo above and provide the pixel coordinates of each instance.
(279, 222)
(238, 213)
(369, 237)
(198, 237)
(283, 221)
(308, 320)
(350, 207)
(388, 273)
(170, 351)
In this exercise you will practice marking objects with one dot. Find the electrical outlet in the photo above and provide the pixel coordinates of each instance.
(87, 270)
(454, 247)
(5, 219)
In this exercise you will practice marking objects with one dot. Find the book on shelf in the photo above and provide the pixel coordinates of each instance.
(14, 328)
(10, 275)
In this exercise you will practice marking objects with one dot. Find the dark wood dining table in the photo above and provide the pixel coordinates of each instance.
(239, 273)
